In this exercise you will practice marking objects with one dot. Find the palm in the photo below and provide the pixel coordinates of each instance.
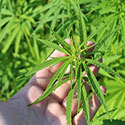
(52, 109)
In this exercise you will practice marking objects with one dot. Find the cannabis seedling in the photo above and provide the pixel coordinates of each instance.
(77, 59)
(79, 63)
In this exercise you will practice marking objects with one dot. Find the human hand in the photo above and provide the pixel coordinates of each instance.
(51, 110)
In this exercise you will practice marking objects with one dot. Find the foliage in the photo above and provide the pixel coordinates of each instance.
(29, 27)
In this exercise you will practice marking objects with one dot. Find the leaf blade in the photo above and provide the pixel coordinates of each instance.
(106, 68)
(69, 106)
(51, 85)
(95, 86)
(53, 45)
(85, 104)
(46, 64)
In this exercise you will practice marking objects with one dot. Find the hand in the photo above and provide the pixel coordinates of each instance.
(50, 111)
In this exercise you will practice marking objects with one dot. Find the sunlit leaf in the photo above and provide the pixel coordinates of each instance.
(106, 68)
(79, 84)
(85, 104)
(60, 73)
(47, 63)
(53, 45)
(10, 39)
(69, 106)
(95, 85)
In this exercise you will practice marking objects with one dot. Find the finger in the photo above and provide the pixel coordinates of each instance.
(94, 69)
(94, 104)
(61, 93)
(40, 79)
(90, 43)
(48, 107)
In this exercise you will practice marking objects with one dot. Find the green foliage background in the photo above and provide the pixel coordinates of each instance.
(19, 52)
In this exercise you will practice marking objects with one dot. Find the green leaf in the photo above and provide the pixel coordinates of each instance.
(10, 39)
(85, 104)
(105, 113)
(4, 21)
(18, 40)
(44, 18)
(104, 27)
(103, 66)
(6, 29)
(79, 84)
(95, 86)
(76, 9)
(83, 32)
(27, 34)
(44, 8)
(1, 9)
(104, 40)
(68, 23)
(71, 74)
(47, 63)
(49, 91)
(6, 12)
(10, 6)
(60, 73)
(53, 45)
(36, 50)
(69, 106)
(98, 119)
(55, 18)
(64, 44)
(123, 29)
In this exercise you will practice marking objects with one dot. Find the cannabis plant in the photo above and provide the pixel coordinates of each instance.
(77, 58)
(29, 26)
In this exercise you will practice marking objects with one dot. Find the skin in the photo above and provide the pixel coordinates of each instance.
(50, 111)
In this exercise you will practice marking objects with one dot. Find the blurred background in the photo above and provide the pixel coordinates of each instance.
(20, 52)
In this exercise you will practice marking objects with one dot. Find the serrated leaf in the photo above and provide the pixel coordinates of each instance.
(67, 23)
(97, 120)
(103, 66)
(79, 84)
(71, 74)
(62, 42)
(85, 104)
(69, 106)
(45, 17)
(96, 87)
(60, 73)
(104, 40)
(49, 91)
(101, 34)
(109, 59)
(83, 32)
(45, 64)
(53, 45)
